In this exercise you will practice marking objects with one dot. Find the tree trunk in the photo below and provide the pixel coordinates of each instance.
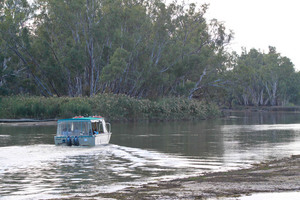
(197, 85)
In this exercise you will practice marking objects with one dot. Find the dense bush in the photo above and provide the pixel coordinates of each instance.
(113, 107)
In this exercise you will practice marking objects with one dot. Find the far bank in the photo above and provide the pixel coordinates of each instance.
(264, 109)
(113, 107)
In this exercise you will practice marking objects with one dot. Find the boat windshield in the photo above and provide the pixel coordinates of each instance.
(74, 128)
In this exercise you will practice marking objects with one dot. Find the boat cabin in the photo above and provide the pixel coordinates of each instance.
(81, 126)
(82, 130)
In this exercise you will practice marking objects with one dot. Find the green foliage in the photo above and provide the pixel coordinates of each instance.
(143, 49)
(261, 79)
(117, 65)
(113, 107)
(140, 48)
(73, 107)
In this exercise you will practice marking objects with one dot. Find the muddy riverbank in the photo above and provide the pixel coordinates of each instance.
(275, 176)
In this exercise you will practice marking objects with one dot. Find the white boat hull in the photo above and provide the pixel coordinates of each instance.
(99, 139)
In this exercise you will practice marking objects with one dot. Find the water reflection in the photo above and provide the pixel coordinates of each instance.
(32, 167)
(251, 118)
(26, 135)
(199, 139)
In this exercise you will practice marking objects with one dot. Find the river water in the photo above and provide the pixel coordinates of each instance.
(31, 167)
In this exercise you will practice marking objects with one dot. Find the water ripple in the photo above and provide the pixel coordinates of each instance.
(50, 170)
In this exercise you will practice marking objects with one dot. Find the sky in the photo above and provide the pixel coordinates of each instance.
(260, 23)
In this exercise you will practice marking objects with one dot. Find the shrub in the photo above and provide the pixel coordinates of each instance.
(76, 106)
(113, 107)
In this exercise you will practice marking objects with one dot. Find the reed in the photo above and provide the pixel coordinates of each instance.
(113, 107)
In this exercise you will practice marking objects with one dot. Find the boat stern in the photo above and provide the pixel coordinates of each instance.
(74, 140)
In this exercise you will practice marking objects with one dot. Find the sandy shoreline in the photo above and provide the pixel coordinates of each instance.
(274, 176)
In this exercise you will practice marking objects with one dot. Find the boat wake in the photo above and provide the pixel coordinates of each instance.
(26, 171)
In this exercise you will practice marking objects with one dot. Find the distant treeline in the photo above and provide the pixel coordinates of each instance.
(113, 107)
(140, 48)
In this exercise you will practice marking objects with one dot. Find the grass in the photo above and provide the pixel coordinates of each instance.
(113, 107)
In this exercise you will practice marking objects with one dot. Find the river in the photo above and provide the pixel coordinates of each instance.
(31, 167)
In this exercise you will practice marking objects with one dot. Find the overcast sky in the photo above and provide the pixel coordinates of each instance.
(261, 23)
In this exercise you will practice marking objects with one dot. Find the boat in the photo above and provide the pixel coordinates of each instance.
(82, 131)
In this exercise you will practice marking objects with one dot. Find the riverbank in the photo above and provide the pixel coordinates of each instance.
(112, 107)
(264, 109)
(275, 176)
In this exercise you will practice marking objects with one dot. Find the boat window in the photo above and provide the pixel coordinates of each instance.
(96, 127)
(69, 128)
(99, 127)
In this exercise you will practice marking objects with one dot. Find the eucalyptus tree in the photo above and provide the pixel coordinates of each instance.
(248, 79)
(280, 78)
(264, 79)
(65, 35)
(85, 35)
(16, 54)
(137, 47)
(194, 54)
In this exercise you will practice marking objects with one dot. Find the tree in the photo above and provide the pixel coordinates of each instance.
(263, 79)
(142, 48)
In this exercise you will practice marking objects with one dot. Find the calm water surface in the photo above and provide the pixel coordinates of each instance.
(32, 167)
